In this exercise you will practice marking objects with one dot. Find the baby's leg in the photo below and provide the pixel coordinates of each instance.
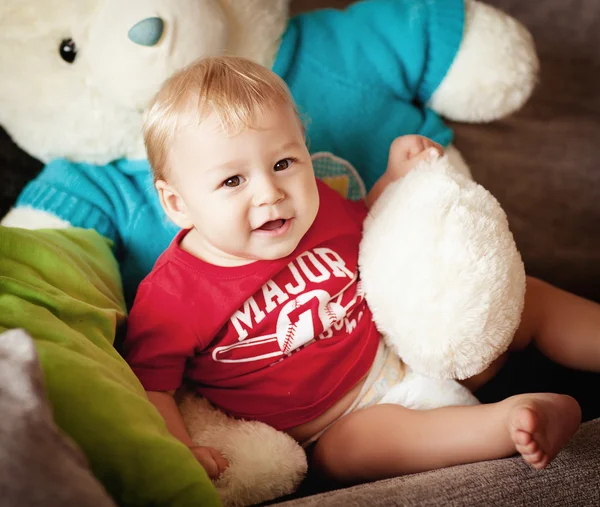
(389, 440)
(564, 327)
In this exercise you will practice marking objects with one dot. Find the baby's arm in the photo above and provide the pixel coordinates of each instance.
(159, 342)
(406, 152)
(212, 461)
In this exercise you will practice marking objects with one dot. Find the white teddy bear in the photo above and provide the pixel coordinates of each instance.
(77, 76)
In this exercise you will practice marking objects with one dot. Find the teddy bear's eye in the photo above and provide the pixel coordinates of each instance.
(68, 50)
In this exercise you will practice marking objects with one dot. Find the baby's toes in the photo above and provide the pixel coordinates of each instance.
(522, 438)
(526, 420)
(529, 448)
(533, 455)
(538, 460)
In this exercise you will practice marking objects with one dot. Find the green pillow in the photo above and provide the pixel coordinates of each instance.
(63, 287)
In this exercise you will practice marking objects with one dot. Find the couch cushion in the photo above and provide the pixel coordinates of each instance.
(572, 479)
(37, 460)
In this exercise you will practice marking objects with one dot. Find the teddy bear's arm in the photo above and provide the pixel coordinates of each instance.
(385, 46)
(68, 194)
(494, 71)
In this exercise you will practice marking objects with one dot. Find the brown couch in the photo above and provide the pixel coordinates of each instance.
(543, 164)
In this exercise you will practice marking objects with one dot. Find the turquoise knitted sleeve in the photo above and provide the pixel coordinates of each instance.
(81, 194)
(106, 198)
(404, 45)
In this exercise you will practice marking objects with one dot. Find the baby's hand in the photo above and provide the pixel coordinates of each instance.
(211, 459)
(406, 152)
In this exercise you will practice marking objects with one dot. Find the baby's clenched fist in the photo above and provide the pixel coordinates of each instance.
(212, 460)
(406, 152)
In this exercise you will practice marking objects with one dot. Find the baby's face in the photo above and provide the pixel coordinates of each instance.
(246, 197)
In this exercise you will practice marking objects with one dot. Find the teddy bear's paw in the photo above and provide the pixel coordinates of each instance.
(495, 69)
(263, 463)
(441, 272)
(29, 218)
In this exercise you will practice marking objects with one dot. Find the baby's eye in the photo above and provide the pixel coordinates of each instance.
(234, 181)
(284, 164)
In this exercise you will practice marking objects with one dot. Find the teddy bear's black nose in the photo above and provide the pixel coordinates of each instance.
(147, 32)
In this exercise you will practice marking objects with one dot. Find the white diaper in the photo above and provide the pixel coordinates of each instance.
(390, 381)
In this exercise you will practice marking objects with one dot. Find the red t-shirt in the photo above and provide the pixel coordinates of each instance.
(278, 341)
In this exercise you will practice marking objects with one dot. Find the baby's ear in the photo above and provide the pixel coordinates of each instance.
(173, 204)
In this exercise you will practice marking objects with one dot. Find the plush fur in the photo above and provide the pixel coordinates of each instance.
(29, 218)
(502, 51)
(459, 281)
(264, 464)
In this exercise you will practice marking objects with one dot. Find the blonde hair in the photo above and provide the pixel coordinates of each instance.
(234, 89)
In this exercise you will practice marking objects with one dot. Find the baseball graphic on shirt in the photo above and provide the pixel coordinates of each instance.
(306, 317)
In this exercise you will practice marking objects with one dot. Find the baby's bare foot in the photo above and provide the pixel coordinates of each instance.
(541, 424)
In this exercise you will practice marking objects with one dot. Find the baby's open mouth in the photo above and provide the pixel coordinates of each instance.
(272, 225)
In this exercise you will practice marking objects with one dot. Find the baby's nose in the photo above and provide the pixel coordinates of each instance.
(267, 192)
(147, 32)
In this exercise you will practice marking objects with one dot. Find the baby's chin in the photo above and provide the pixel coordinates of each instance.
(273, 254)
(241, 258)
